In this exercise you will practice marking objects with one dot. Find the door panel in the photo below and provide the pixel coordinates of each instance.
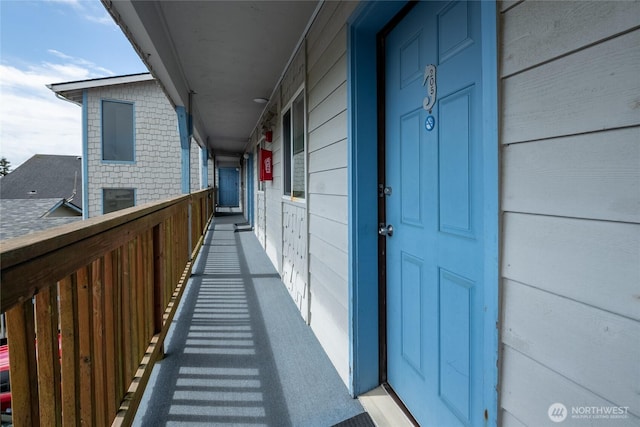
(434, 257)
(229, 187)
(454, 196)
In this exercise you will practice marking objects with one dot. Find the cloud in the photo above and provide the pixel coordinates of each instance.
(92, 11)
(103, 19)
(96, 70)
(32, 119)
(73, 3)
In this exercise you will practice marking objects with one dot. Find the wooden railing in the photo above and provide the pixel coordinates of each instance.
(88, 306)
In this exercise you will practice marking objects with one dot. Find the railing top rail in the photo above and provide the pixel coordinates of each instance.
(33, 262)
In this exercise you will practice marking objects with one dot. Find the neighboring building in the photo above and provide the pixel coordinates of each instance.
(43, 192)
(131, 144)
(508, 289)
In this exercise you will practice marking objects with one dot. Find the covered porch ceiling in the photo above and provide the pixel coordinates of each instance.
(215, 57)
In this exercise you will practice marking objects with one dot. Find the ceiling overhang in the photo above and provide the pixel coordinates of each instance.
(215, 57)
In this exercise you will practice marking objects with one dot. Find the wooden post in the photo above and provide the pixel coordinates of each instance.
(69, 354)
(48, 355)
(98, 365)
(110, 336)
(85, 371)
(189, 230)
(158, 280)
(126, 318)
(24, 375)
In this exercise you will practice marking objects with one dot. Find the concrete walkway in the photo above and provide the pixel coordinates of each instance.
(238, 352)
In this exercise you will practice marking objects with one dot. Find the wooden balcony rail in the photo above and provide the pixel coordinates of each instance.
(88, 306)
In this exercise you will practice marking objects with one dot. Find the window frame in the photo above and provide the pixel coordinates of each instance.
(288, 151)
(105, 189)
(133, 130)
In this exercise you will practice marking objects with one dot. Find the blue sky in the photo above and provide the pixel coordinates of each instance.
(52, 41)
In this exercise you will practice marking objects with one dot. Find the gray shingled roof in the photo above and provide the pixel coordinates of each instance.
(24, 216)
(45, 176)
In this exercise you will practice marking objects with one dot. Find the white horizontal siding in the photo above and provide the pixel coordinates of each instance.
(330, 256)
(330, 132)
(330, 157)
(540, 386)
(508, 420)
(273, 201)
(571, 208)
(326, 86)
(330, 56)
(568, 26)
(594, 262)
(588, 176)
(332, 232)
(329, 25)
(331, 207)
(593, 348)
(332, 105)
(594, 89)
(327, 181)
(321, 65)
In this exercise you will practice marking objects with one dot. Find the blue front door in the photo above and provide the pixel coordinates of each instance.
(434, 171)
(228, 180)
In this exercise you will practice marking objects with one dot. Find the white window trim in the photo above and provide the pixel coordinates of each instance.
(133, 117)
(287, 107)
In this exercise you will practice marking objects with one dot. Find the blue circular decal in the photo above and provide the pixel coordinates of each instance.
(430, 123)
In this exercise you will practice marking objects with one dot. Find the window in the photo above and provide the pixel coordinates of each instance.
(114, 199)
(294, 149)
(117, 131)
(257, 162)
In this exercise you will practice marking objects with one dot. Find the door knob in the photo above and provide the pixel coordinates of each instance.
(385, 230)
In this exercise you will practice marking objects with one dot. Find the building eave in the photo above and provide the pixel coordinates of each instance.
(72, 91)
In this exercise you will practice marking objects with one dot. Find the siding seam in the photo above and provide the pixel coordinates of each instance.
(571, 52)
(560, 136)
(537, 362)
(597, 220)
(566, 298)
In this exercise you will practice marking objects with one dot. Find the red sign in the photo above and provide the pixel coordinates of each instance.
(266, 165)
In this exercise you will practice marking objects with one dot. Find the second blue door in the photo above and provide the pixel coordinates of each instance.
(228, 187)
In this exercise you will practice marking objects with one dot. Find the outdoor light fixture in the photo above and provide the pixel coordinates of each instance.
(260, 100)
(246, 156)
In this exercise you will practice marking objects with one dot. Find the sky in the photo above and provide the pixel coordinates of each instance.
(53, 41)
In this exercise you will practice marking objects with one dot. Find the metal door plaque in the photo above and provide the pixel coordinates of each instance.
(430, 82)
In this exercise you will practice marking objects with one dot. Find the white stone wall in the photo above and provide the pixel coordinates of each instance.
(156, 172)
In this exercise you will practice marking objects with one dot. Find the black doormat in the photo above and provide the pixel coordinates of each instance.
(360, 420)
(245, 226)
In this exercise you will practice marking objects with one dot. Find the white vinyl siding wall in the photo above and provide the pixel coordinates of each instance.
(570, 197)
(327, 181)
(273, 198)
(307, 240)
(268, 200)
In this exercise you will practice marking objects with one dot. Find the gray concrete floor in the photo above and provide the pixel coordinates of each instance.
(238, 352)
